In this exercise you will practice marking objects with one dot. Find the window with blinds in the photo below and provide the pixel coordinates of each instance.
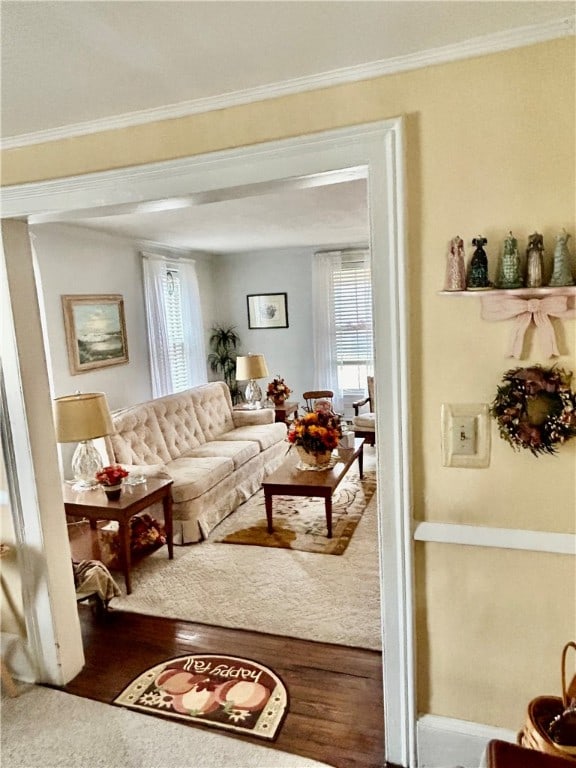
(175, 330)
(353, 320)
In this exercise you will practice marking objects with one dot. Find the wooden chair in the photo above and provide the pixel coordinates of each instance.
(364, 424)
(314, 395)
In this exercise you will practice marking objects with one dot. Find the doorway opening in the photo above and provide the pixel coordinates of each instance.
(378, 149)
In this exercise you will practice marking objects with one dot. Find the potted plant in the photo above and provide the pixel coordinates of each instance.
(110, 478)
(223, 343)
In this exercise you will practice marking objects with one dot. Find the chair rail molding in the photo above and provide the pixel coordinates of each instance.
(501, 538)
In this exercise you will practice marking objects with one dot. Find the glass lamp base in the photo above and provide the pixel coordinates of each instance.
(85, 463)
(253, 394)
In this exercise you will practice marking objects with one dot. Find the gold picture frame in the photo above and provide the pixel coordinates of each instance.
(95, 331)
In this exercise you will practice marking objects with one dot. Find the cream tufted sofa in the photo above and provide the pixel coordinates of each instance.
(216, 456)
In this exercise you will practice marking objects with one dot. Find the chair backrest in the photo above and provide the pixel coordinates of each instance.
(314, 395)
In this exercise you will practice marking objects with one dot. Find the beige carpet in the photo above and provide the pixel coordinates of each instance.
(45, 728)
(300, 521)
(265, 589)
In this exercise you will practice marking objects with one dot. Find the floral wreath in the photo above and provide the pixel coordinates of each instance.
(535, 408)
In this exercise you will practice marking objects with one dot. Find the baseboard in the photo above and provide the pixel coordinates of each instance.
(447, 743)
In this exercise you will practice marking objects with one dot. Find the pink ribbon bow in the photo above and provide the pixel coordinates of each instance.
(525, 311)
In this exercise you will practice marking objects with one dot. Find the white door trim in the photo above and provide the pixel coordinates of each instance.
(377, 148)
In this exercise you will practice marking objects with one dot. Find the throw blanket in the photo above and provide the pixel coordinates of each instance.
(92, 576)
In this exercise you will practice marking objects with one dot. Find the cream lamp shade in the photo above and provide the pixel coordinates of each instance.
(249, 368)
(80, 418)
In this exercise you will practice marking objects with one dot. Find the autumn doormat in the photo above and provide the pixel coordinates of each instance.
(300, 521)
(226, 692)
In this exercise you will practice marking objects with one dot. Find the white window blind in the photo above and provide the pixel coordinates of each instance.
(176, 350)
(353, 321)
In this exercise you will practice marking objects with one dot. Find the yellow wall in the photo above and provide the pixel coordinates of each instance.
(490, 147)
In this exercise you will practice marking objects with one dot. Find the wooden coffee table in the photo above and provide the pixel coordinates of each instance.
(94, 505)
(288, 480)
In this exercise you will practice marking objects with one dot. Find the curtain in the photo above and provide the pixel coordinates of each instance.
(193, 328)
(157, 325)
(325, 351)
(175, 329)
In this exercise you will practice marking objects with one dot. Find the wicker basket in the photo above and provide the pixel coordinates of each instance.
(542, 710)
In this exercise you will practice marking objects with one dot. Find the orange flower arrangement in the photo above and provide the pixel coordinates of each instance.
(278, 390)
(316, 432)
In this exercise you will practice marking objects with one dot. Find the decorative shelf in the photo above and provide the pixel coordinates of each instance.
(564, 290)
(528, 306)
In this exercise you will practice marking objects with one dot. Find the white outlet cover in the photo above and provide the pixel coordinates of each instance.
(465, 435)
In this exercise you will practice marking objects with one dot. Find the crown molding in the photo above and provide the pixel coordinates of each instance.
(478, 46)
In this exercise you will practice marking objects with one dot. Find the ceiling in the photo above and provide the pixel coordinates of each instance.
(73, 67)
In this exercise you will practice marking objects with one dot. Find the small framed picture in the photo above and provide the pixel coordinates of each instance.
(95, 331)
(267, 310)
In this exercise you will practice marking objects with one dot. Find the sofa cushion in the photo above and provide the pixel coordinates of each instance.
(195, 476)
(240, 451)
(264, 434)
(243, 418)
(364, 421)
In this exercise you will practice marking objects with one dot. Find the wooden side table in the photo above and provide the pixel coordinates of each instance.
(94, 505)
(282, 412)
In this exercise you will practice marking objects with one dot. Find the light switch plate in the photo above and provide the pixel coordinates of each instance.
(465, 435)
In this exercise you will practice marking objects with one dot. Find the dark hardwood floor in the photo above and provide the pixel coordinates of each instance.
(335, 713)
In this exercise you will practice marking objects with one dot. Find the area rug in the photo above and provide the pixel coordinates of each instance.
(226, 692)
(300, 521)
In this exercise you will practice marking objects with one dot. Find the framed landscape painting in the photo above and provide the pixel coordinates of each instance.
(267, 310)
(95, 331)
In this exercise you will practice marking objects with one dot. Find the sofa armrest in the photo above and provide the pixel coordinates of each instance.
(148, 470)
(249, 418)
(358, 404)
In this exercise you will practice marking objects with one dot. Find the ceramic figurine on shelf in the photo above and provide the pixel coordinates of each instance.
(561, 273)
(534, 260)
(509, 275)
(477, 279)
(456, 266)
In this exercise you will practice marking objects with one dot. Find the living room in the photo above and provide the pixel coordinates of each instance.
(489, 146)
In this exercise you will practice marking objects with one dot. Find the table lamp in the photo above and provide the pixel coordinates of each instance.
(80, 418)
(249, 368)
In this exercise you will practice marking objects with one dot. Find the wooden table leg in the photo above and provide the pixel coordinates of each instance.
(168, 525)
(124, 537)
(361, 461)
(329, 515)
(268, 502)
(93, 524)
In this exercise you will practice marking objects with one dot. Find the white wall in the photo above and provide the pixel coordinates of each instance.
(79, 261)
(288, 351)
